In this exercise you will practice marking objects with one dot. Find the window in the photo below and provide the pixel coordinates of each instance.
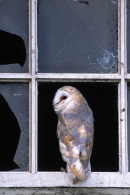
(66, 42)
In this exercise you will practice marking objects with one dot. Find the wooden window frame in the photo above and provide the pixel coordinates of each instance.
(33, 178)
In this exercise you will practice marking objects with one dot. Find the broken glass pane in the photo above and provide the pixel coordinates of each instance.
(77, 36)
(14, 127)
(104, 106)
(13, 36)
(128, 36)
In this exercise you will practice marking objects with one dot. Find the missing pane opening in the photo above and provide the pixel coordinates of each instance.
(12, 49)
(14, 136)
(102, 98)
(9, 136)
(14, 36)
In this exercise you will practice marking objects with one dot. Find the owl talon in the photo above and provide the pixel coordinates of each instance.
(75, 180)
(63, 170)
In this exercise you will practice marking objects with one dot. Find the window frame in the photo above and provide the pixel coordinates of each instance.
(33, 178)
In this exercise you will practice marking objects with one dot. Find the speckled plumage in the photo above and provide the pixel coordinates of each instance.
(75, 131)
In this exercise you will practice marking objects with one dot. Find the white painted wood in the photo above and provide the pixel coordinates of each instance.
(119, 130)
(62, 179)
(33, 88)
(21, 77)
(119, 37)
(122, 37)
(127, 77)
(126, 127)
(33, 128)
(119, 87)
(122, 92)
(82, 77)
(59, 76)
(15, 77)
(123, 129)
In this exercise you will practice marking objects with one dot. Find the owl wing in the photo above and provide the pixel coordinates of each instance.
(75, 131)
(80, 152)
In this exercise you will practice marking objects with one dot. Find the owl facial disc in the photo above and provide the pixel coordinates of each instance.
(61, 99)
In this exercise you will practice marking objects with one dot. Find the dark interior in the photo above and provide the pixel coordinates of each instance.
(12, 49)
(9, 136)
(102, 98)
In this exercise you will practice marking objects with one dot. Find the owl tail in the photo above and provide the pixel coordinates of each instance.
(78, 170)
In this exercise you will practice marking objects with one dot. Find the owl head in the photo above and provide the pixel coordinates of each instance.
(66, 97)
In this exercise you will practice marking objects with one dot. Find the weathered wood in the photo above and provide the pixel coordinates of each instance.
(64, 191)
(62, 180)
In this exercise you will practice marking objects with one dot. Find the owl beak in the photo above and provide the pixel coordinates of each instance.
(55, 105)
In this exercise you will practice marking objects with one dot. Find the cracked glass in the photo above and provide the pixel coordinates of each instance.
(13, 36)
(77, 36)
(14, 127)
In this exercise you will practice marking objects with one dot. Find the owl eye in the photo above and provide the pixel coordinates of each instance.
(64, 97)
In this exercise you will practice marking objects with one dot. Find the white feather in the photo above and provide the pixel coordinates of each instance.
(58, 95)
(60, 103)
(80, 169)
(64, 152)
(76, 150)
(62, 145)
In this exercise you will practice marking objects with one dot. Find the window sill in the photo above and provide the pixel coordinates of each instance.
(55, 179)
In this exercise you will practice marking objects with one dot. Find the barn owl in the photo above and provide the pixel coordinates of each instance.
(75, 131)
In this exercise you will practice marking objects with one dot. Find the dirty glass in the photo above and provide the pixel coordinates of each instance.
(13, 36)
(77, 36)
(104, 106)
(14, 127)
(128, 36)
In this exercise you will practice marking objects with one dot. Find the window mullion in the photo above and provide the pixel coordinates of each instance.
(33, 87)
(122, 89)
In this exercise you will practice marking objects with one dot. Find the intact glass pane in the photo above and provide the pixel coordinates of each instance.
(102, 99)
(77, 36)
(14, 127)
(14, 36)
